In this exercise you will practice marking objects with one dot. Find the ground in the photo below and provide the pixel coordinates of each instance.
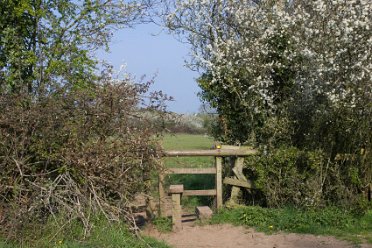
(228, 236)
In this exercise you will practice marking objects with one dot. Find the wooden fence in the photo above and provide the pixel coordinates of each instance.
(237, 180)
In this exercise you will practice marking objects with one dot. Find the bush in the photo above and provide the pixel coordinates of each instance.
(76, 152)
(288, 176)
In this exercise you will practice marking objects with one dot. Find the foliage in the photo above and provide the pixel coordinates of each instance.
(75, 152)
(288, 176)
(323, 221)
(47, 44)
(72, 140)
(288, 74)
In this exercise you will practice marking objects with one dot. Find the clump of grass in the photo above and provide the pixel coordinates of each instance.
(163, 224)
(104, 235)
(328, 221)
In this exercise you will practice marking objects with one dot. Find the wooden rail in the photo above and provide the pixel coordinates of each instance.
(241, 152)
(200, 192)
(210, 170)
(225, 151)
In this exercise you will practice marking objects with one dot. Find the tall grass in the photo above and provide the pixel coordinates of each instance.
(104, 235)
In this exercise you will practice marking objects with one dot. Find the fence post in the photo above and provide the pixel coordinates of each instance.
(219, 194)
(176, 192)
(162, 197)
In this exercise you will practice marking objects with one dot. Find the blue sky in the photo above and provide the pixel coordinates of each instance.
(148, 51)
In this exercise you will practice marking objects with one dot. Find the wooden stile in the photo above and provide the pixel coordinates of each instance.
(224, 151)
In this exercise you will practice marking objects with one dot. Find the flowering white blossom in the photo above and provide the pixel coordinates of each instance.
(319, 46)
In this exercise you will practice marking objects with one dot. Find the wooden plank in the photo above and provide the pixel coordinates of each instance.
(219, 194)
(211, 170)
(176, 189)
(201, 192)
(237, 182)
(216, 152)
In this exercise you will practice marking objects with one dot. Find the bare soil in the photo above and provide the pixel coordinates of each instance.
(228, 236)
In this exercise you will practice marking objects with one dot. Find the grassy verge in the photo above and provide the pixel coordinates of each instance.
(328, 221)
(103, 235)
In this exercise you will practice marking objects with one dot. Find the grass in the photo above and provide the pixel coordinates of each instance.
(328, 221)
(190, 182)
(187, 141)
(163, 224)
(103, 235)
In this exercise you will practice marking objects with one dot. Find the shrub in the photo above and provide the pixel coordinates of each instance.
(76, 152)
(288, 176)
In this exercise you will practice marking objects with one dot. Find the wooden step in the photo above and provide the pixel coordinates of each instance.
(189, 218)
(203, 212)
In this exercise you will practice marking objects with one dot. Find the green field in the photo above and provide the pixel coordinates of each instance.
(187, 142)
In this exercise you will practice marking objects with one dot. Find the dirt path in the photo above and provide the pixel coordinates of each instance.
(228, 236)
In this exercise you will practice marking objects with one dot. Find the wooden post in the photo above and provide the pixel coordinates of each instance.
(219, 194)
(176, 192)
(162, 197)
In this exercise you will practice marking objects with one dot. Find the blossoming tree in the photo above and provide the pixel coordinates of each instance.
(284, 72)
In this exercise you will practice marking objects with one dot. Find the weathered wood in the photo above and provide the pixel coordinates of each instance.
(219, 194)
(210, 170)
(176, 189)
(238, 182)
(162, 195)
(203, 212)
(200, 192)
(176, 212)
(216, 152)
(238, 177)
(238, 168)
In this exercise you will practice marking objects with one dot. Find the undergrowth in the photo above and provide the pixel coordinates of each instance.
(327, 221)
(104, 234)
